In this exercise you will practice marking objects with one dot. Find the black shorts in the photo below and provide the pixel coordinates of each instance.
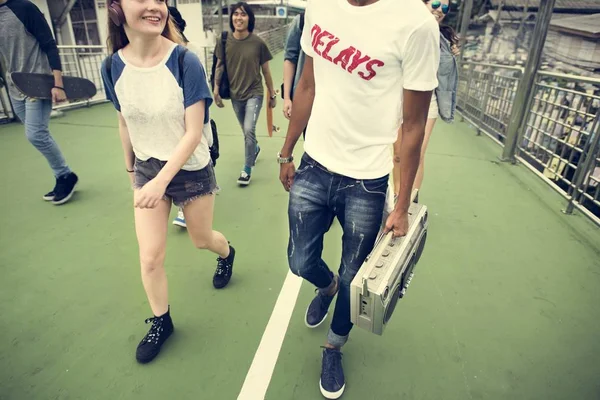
(185, 186)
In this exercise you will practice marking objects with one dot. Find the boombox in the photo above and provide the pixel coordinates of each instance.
(386, 273)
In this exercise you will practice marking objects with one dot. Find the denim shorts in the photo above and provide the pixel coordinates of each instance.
(186, 186)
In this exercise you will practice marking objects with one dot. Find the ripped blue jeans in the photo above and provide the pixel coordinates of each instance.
(247, 112)
(316, 197)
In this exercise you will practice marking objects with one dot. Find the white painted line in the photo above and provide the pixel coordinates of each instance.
(260, 372)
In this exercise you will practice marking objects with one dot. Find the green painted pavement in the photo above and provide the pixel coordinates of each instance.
(503, 304)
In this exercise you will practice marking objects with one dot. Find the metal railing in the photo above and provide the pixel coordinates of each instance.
(560, 136)
(485, 96)
(83, 62)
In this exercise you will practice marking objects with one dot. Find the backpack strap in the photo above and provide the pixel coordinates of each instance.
(301, 21)
(180, 62)
(223, 47)
(108, 64)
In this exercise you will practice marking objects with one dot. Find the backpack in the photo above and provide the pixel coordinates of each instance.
(214, 149)
(224, 88)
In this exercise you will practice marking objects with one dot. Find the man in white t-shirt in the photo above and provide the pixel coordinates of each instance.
(370, 65)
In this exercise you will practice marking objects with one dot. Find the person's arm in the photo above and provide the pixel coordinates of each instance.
(303, 102)
(197, 100)
(396, 171)
(266, 71)
(109, 90)
(219, 69)
(264, 57)
(151, 194)
(194, 124)
(289, 68)
(421, 58)
(218, 75)
(128, 154)
(36, 25)
(415, 109)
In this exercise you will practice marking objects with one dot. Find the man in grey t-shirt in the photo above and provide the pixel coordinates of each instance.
(27, 45)
(246, 56)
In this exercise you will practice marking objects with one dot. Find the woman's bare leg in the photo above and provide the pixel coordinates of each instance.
(151, 229)
(199, 219)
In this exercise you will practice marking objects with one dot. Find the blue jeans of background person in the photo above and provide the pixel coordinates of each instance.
(316, 197)
(35, 114)
(247, 112)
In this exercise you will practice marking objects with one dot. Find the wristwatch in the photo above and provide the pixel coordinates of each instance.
(284, 160)
(274, 96)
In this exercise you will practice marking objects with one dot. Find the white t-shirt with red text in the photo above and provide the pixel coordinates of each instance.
(363, 58)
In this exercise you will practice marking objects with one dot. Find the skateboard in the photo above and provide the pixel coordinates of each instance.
(270, 126)
(39, 86)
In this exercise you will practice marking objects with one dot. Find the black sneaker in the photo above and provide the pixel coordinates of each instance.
(49, 196)
(332, 381)
(318, 308)
(244, 179)
(65, 187)
(149, 347)
(224, 270)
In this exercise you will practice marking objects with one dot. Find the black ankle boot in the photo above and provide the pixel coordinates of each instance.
(162, 327)
(224, 270)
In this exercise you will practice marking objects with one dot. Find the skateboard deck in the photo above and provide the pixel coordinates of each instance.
(270, 126)
(39, 86)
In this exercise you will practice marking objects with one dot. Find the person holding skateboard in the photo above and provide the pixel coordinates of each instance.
(370, 65)
(246, 56)
(163, 113)
(27, 45)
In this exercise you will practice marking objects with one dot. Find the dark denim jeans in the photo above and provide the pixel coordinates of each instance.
(316, 197)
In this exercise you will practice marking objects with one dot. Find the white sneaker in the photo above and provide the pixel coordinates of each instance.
(180, 219)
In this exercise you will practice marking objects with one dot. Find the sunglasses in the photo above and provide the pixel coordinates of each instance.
(435, 4)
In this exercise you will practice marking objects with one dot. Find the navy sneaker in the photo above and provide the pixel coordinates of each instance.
(162, 327)
(319, 307)
(332, 381)
(257, 152)
(224, 270)
(50, 195)
(65, 187)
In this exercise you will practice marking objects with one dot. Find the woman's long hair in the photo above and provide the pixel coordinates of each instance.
(117, 39)
(450, 34)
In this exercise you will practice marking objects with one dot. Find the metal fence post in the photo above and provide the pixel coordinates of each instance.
(464, 27)
(471, 69)
(484, 102)
(589, 156)
(526, 85)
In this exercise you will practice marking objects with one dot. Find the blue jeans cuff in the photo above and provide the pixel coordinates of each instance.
(336, 340)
